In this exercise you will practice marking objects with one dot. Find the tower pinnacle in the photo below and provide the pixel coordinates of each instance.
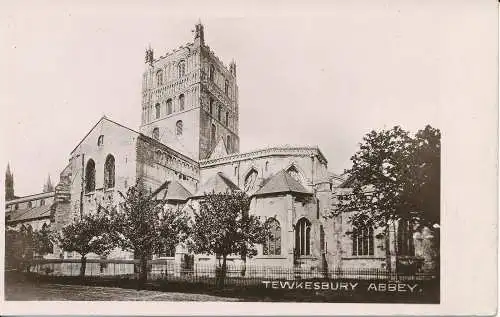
(199, 36)
(9, 184)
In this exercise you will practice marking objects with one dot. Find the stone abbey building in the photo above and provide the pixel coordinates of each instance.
(189, 136)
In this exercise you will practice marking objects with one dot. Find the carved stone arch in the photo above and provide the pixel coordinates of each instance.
(300, 172)
(250, 178)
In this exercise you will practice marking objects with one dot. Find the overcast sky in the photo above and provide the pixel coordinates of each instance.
(323, 75)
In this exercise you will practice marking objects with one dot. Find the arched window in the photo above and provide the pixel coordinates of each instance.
(42, 202)
(100, 140)
(181, 102)
(362, 241)
(213, 133)
(178, 127)
(109, 172)
(272, 245)
(228, 143)
(303, 237)
(156, 133)
(292, 170)
(227, 118)
(211, 73)
(219, 113)
(159, 78)
(267, 166)
(211, 106)
(182, 68)
(169, 106)
(405, 238)
(90, 176)
(157, 110)
(30, 204)
(226, 87)
(250, 180)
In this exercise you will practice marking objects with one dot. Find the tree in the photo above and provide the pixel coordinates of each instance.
(17, 247)
(224, 226)
(42, 241)
(395, 177)
(144, 226)
(87, 234)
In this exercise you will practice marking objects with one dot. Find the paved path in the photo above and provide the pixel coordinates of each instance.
(59, 292)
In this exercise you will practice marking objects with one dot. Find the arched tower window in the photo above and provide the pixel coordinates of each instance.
(211, 106)
(227, 118)
(228, 143)
(90, 176)
(169, 106)
(250, 180)
(178, 127)
(292, 170)
(157, 110)
(100, 140)
(362, 241)
(181, 102)
(159, 78)
(405, 238)
(272, 245)
(211, 73)
(109, 172)
(156, 133)
(219, 113)
(303, 237)
(226, 87)
(213, 133)
(182, 68)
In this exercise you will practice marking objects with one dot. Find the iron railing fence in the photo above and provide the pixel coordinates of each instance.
(170, 270)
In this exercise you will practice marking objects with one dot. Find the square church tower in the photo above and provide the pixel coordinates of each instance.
(190, 100)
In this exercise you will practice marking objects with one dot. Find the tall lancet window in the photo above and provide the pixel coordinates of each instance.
(169, 106)
(156, 133)
(303, 237)
(250, 180)
(181, 102)
(362, 241)
(157, 111)
(272, 245)
(182, 68)
(159, 78)
(213, 133)
(178, 127)
(90, 176)
(109, 172)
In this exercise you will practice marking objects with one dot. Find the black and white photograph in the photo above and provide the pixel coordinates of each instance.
(155, 153)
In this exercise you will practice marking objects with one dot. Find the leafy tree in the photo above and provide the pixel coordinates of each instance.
(224, 226)
(42, 241)
(395, 176)
(144, 226)
(87, 234)
(17, 247)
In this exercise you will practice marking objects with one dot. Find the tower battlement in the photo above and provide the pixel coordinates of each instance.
(190, 98)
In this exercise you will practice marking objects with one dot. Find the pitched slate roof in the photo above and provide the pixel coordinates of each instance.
(174, 191)
(218, 183)
(281, 182)
(23, 215)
